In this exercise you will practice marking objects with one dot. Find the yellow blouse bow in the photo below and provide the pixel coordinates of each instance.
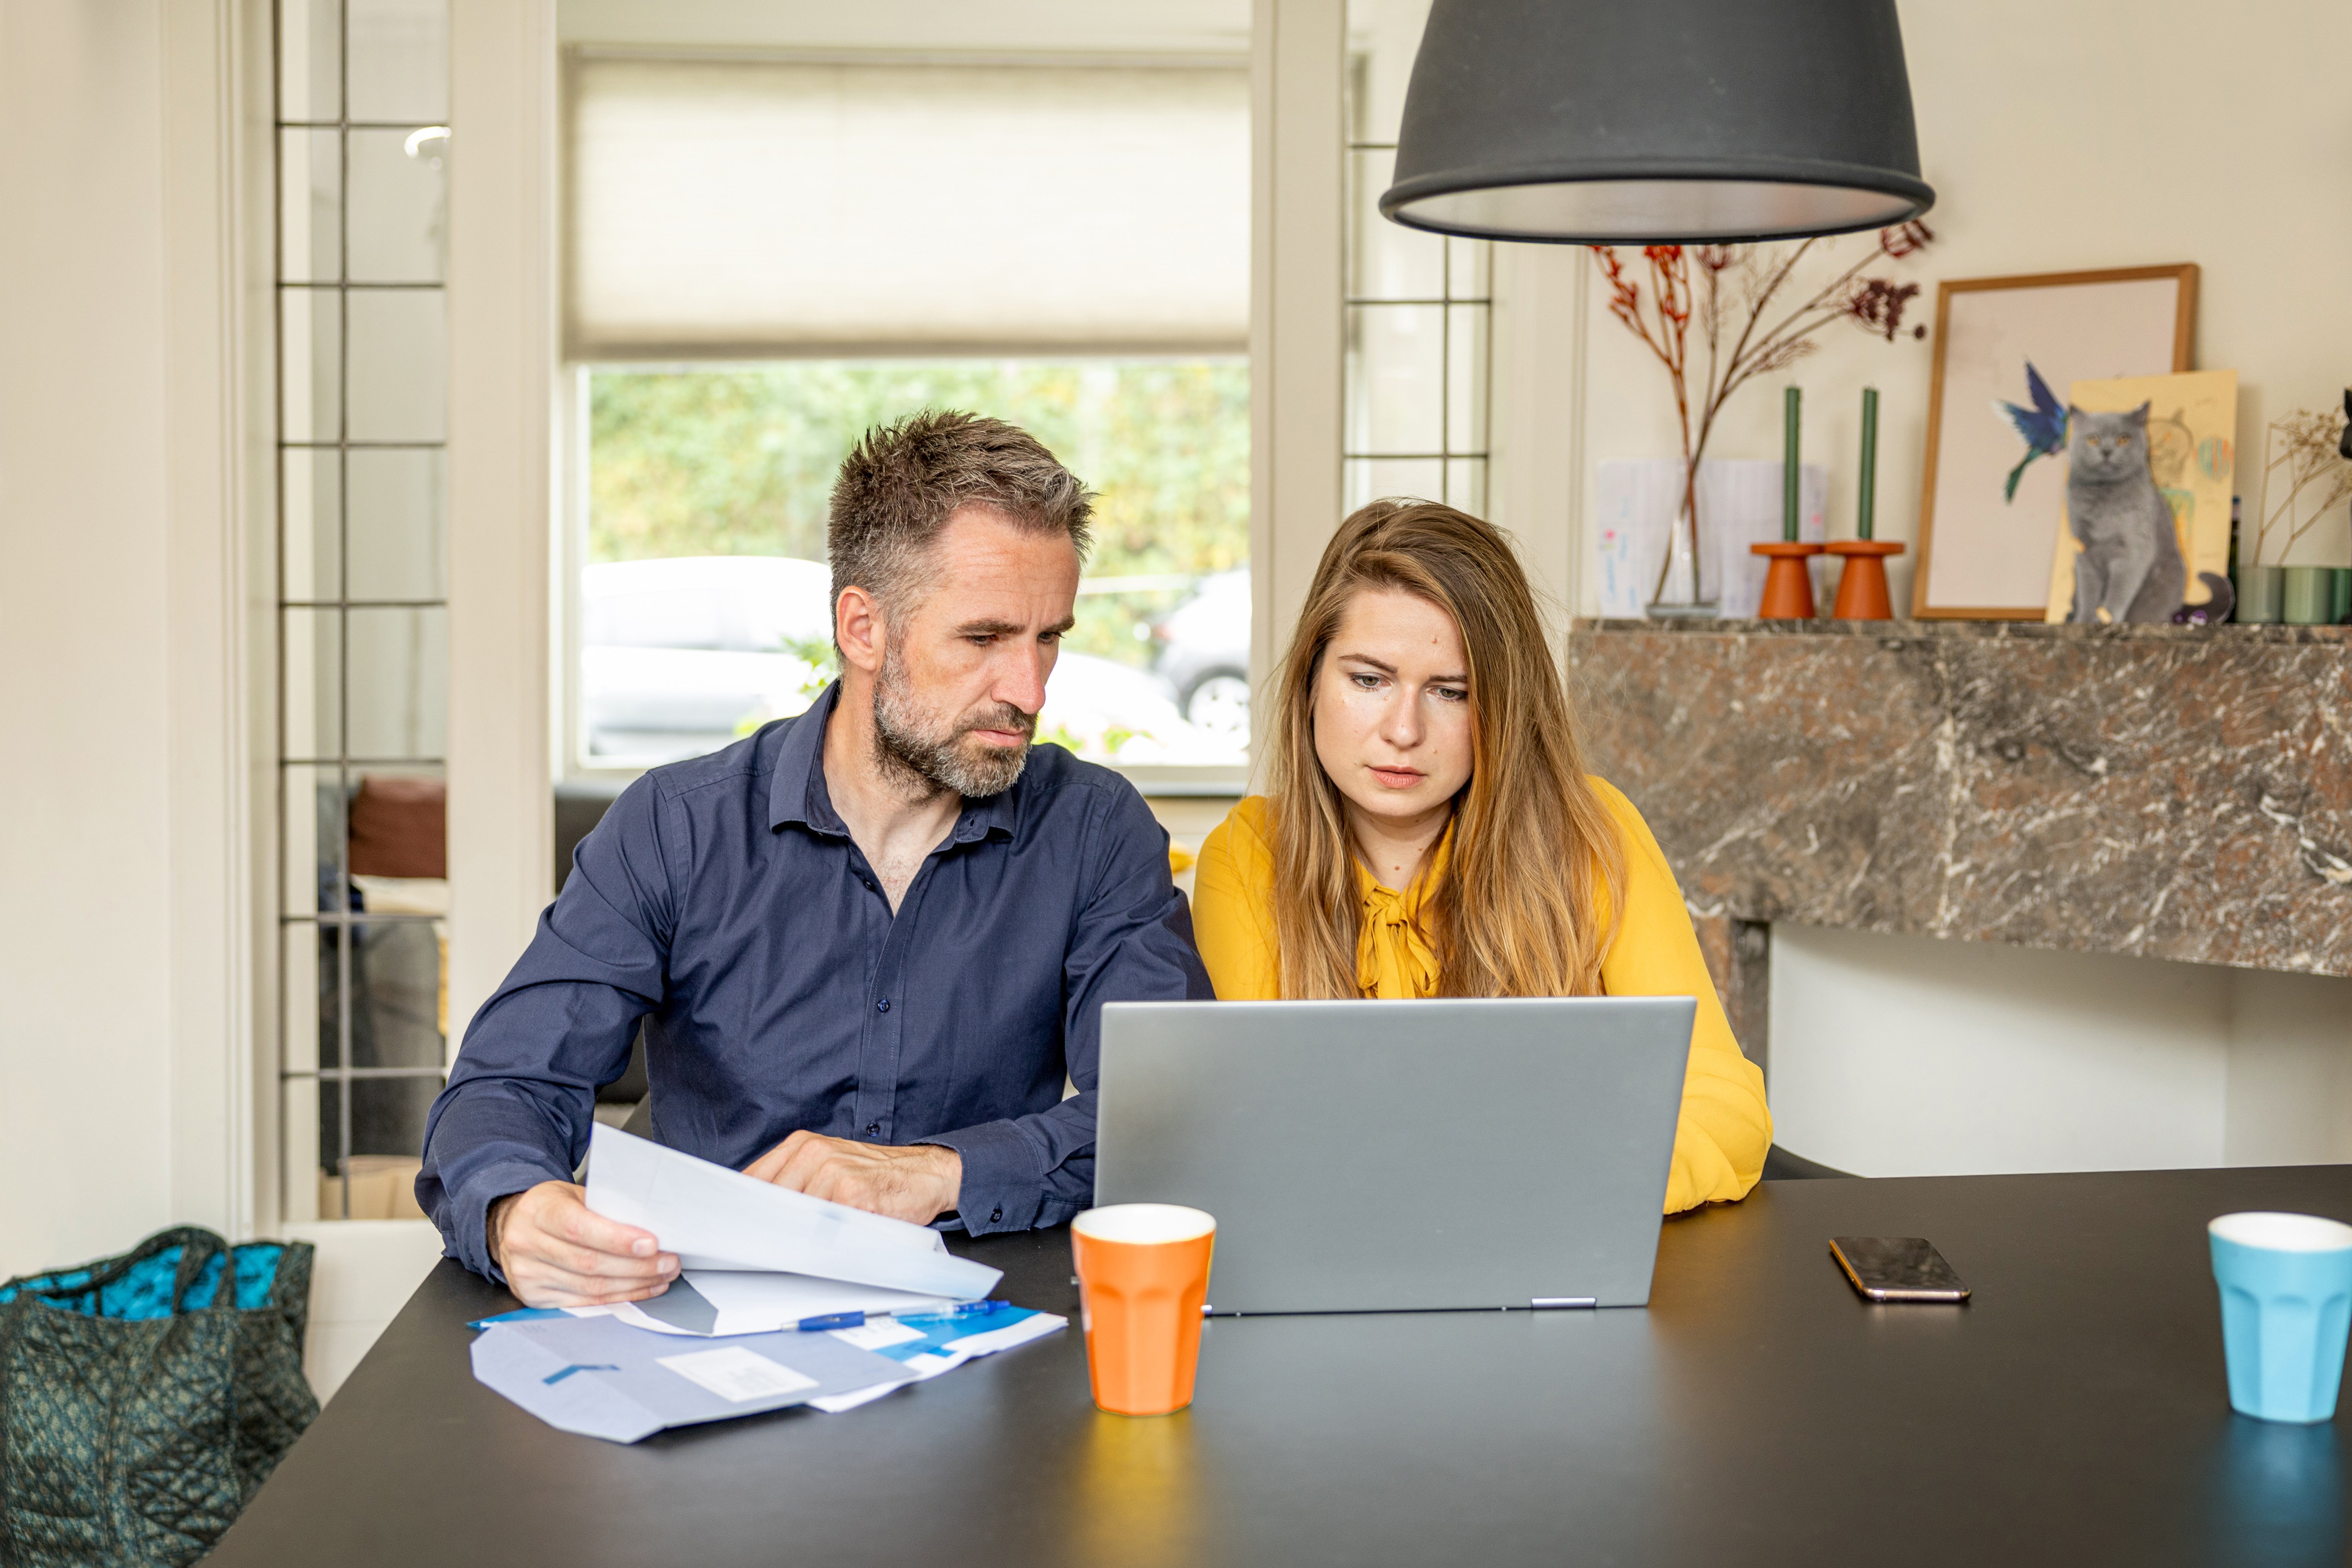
(1393, 958)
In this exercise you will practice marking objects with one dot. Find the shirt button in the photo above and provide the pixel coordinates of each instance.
(998, 1217)
(873, 1129)
(883, 1005)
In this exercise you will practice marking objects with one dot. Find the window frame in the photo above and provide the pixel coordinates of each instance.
(299, 1087)
(571, 763)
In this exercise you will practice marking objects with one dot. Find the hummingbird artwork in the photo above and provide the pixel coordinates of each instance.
(2044, 425)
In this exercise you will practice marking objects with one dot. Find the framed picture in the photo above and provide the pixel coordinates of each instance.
(2007, 350)
(2182, 448)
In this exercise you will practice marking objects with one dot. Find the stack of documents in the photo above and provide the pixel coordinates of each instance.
(815, 1303)
(722, 1221)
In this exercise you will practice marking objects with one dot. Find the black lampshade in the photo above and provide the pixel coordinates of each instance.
(1654, 121)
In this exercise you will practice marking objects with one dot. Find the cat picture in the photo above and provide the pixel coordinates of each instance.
(2144, 537)
(2130, 568)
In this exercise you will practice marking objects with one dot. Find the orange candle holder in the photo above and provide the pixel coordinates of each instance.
(1861, 581)
(1789, 584)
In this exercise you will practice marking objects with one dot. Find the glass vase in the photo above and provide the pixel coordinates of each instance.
(1678, 593)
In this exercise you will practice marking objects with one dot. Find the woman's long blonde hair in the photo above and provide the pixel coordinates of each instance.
(1517, 912)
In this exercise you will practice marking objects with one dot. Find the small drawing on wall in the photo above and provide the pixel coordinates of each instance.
(2144, 534)
(1740, 500)
(2006, 350)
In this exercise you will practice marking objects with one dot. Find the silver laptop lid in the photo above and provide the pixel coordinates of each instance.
(1396, 1156)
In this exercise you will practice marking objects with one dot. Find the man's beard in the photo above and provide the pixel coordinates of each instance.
(911, 748)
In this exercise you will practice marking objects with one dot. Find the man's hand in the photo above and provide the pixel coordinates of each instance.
(917, 1184)
(558, 1253)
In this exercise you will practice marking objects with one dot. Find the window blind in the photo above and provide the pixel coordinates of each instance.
(745, 207)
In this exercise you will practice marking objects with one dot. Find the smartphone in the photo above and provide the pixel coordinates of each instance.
(1897, 1269)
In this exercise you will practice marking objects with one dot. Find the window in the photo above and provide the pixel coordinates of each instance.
(706, 607)
(1419, 305)
(364, 145)
(767, 256)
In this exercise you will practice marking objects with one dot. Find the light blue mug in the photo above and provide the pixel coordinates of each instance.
(2286, 1305)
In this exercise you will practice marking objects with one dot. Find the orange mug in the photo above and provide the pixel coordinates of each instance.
(1143, 1273)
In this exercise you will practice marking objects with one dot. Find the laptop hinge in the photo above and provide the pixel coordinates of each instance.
(1549, 1303)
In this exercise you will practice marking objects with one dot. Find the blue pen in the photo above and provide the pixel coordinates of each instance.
(960, 1310)
(834, 1320)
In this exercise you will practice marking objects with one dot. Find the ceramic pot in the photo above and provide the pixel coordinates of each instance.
(2260, 591)
(2308, 595)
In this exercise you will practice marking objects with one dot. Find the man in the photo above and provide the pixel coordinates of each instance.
(869, 942)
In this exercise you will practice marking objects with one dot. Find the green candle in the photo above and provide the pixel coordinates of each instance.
(1791, 416)
(1866, 506)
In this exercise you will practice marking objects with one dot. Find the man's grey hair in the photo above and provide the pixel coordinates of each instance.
(902, 481)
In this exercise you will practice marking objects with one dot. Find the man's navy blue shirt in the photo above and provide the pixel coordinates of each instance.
(722, 902)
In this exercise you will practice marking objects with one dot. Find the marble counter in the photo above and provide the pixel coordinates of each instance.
(2169, 792)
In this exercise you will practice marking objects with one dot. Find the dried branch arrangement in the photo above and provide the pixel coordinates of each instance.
(2305, 450)
(1729, 292)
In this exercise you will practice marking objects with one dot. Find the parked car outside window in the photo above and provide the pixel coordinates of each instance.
(1204, 655)
(683, 655)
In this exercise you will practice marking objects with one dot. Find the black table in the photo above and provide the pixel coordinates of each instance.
(1758, 1412)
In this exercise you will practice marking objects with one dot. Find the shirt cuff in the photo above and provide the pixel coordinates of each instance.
(1003, 1182)
(465, 1218)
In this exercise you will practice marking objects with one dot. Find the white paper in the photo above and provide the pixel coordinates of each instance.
(931, 1363)
(736, 1374)
(744, 1302)
(925, 1367)
(878, 1335)
(749, 1302)
(1739, 504)
(715, 1219)
(1005, 1338)
(628, 1312)
(1637, 505)
(841, 1404)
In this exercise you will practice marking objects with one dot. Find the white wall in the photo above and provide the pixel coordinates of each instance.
(1906, 1057)
(362, 1275)
(84, 1114)
(122, 946)
(2072, 137)
(134, 630)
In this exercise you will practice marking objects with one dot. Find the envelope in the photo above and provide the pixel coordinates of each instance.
(601, 1378)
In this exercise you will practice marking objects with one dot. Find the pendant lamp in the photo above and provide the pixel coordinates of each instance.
(1657, 122)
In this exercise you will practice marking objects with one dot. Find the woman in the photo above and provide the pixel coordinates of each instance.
(1432, 832)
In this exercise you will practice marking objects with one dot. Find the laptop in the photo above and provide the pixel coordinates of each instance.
(1401, 1157)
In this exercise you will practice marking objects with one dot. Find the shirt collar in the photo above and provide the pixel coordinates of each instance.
(798, 793)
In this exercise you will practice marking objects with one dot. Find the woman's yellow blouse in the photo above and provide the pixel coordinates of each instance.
(1725, 1129)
